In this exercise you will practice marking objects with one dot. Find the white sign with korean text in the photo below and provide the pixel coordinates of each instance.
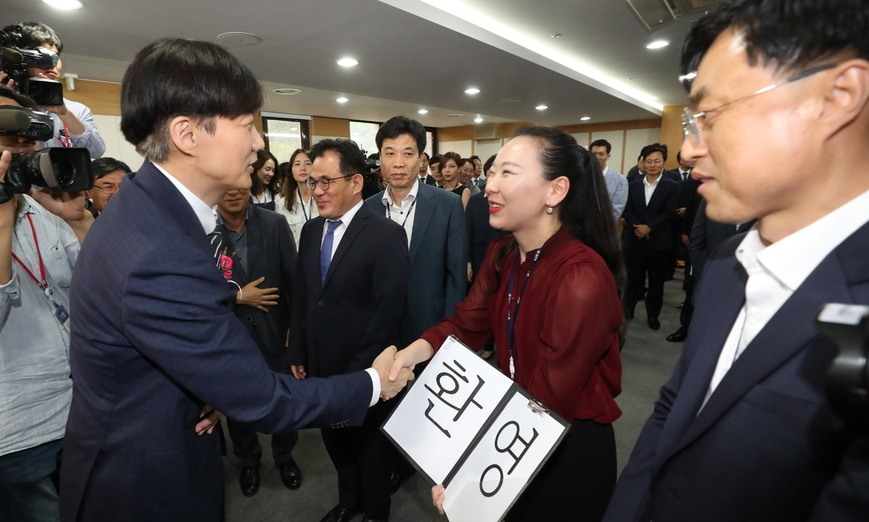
(446, 408)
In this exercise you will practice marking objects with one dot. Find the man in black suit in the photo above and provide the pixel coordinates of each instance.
(778, 121)
(257, 255)
(648, 233)
(348, 301)
(424, 176)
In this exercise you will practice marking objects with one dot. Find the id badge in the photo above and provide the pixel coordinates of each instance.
(61, 314)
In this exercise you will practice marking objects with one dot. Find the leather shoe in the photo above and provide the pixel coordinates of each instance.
(291, 476)
(339, 514)
(678, 336)
(249, 480)
(654, 324)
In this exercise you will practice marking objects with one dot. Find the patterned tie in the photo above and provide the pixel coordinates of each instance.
(326, 249)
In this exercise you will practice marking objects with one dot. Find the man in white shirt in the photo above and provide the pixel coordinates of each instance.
(743, 430)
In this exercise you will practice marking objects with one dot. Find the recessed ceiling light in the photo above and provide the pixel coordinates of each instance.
(541, 107)
(66, 5)
(585, 118)
(348, 62)
(657, 44)
(237, 38)
(286, 91)
(478, 119)
(555, 36)
(342, 99)
(472, 90)
(422, 111)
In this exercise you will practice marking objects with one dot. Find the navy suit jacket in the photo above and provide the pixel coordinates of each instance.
(438, 259)
(659, 214)
(345, 323)
(766, 446)
(271, 253)
(153, 341)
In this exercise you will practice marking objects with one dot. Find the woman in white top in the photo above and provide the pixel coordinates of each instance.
(296, 202)
(262, 187)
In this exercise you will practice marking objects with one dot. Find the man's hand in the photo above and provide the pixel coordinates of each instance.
(641, 231)
(209, 418)
(299, 372)
(259, 298)
(680, 211)
(383, 365)
(437, 497)
(69, 206)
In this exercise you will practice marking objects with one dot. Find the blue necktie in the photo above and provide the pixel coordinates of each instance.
(326, 249)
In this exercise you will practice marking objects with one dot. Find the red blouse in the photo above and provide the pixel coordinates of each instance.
(566, 350)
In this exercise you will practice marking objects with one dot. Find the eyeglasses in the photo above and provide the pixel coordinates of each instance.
(692, 121)
(654, 162)
(324, 183)
(108, 188)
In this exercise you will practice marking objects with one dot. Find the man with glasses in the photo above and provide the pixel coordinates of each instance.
(108, 175)
(348, 301)
(778, 123)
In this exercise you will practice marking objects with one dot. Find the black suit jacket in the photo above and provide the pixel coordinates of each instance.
(271, 253)
(658, 214)
(344, 324)
(766, 446)
(480, 232)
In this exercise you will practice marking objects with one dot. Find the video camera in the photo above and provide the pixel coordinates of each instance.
(847, 325)
(64, 170)
(14, 62)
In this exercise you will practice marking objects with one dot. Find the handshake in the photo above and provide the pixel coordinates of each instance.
(393, 371)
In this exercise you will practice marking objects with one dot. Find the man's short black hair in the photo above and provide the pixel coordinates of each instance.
(105, 165)
(601, 143)
(352, 159)
(789, 35)
(654, 147)
(24, 101)
(173, 77)
(435, 160)
(398, 125)
(35, 34)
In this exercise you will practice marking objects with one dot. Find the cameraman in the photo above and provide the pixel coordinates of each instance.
(37, 253)
(73, 122)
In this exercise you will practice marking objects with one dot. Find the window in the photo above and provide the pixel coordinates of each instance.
(284, 134)
(363, 133)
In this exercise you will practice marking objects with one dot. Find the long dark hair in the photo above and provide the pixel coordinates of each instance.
(256, 187)
(586, 210)
(290, 185)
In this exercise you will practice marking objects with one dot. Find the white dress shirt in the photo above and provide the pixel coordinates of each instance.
(776, 271)
(404, 213)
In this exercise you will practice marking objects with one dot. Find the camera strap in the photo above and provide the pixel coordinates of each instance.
(60, 312)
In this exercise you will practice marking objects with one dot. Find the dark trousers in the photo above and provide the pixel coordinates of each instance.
(362, 459)
(246, 446)
(27, 489)
(577, 481)
(643, 262)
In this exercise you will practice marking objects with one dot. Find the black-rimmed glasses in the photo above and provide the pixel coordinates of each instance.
(324, 182)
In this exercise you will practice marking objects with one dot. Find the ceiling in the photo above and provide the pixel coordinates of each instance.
(411, 53)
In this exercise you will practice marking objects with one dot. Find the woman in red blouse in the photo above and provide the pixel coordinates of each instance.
(549, 293)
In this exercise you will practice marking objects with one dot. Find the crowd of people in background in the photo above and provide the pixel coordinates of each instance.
(315, 295)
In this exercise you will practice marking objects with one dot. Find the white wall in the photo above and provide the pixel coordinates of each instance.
(116, 145)
(463, 148)
(485, 148)
(635, 140)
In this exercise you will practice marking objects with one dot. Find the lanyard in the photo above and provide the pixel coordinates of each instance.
(59, 311)
(64, 138)
(513, 309)
(310, 210)
(389, 211)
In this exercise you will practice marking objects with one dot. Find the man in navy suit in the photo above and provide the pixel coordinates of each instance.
(154, 345)
(648, 233)
(743, 430)
(434, 223)
(348, 301)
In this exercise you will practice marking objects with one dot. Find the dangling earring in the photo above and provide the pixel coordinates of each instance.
(549, 210)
